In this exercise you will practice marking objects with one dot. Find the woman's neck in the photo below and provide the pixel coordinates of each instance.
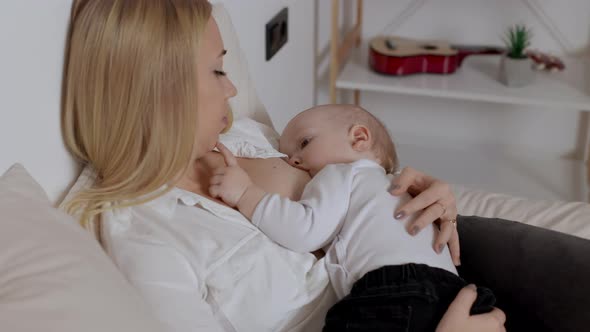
(196, 179)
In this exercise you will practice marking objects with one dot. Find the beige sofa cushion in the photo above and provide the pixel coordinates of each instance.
(53, 274)
(567, 217)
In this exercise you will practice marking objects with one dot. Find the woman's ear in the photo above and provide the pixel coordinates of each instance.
(360, 138)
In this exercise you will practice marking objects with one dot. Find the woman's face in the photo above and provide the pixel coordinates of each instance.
(214, 89)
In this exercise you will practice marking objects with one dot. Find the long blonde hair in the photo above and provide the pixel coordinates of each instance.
(129, 104)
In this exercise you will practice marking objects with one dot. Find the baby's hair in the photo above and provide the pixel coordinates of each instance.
(382, 145)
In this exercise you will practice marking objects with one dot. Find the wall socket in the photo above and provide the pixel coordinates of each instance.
(277, 33)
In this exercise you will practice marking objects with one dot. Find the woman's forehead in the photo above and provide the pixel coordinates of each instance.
(212, 42)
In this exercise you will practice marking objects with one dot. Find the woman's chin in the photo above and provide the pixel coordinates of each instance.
(202, 151)
(213, 144)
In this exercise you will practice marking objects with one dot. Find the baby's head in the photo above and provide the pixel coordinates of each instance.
(332, 134)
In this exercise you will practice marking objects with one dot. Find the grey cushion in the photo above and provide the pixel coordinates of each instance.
(541, 278)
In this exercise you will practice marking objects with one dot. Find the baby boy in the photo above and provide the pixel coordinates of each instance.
(385, 278)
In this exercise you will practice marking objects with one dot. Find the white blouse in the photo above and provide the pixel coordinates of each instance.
(203, 266)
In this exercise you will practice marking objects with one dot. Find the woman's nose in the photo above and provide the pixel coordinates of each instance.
(231, 90)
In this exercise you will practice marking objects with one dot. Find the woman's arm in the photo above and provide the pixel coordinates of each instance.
(437, 202)
(457, 317)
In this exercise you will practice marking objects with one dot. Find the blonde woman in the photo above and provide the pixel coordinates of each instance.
(144, 101)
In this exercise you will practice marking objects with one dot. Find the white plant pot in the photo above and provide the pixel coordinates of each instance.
(516, 72)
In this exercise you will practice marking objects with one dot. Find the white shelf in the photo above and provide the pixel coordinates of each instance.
(477, 80)
(488, 167)
(497, 168)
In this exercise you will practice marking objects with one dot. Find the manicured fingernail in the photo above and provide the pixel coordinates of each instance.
(415, 230)
(472, 287)
(440, 248)
(400, 215)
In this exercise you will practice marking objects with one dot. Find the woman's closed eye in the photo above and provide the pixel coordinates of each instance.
(220, 72)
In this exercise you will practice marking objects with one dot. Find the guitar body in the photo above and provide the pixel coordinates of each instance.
(407, 65)
(401, 56)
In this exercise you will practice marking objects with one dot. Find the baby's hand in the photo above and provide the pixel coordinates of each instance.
(229, 183)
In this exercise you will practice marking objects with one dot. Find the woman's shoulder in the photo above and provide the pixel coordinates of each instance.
(196, 228)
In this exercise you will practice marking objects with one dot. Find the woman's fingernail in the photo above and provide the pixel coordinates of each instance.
(440, 248)
(400, 215)
(472, 287)
(395, 187)
(415, 230)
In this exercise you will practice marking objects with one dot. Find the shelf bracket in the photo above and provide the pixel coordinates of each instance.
(339, 52)
(586, 153)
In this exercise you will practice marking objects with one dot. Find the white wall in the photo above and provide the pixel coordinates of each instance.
(31, 62)
(470, 22)
(285, 84)
(32, 38)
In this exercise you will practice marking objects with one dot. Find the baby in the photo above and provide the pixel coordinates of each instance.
(385, 278)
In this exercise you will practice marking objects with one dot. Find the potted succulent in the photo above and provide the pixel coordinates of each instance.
(515, 65)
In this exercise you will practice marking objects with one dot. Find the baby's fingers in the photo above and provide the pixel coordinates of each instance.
(219, 170)
(216, 179)
(215, 191)
(230, 160)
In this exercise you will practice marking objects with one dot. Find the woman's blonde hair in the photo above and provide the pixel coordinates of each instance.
(129, 104)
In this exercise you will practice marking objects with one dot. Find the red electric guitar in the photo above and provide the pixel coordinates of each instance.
(402, 56)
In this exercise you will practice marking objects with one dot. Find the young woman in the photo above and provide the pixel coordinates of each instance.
(144, 101)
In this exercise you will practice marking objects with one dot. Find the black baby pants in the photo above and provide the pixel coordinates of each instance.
(410, 297)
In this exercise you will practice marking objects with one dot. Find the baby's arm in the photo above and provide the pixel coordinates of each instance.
(303, 226)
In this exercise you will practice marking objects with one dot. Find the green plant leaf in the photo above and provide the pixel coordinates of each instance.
(517, 39)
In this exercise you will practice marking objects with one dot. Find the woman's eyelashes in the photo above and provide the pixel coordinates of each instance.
(220, 72)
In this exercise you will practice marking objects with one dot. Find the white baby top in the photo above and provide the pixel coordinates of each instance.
(347, 210)
(202, 266)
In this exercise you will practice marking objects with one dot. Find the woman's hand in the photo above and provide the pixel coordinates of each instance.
(437, 203)
(457, 317)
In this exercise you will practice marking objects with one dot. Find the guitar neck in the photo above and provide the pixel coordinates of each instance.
(479, 49)
(466, 50)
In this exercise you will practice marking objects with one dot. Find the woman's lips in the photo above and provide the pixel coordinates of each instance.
(224, 124)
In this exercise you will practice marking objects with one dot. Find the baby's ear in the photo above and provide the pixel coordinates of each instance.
(360, 138)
